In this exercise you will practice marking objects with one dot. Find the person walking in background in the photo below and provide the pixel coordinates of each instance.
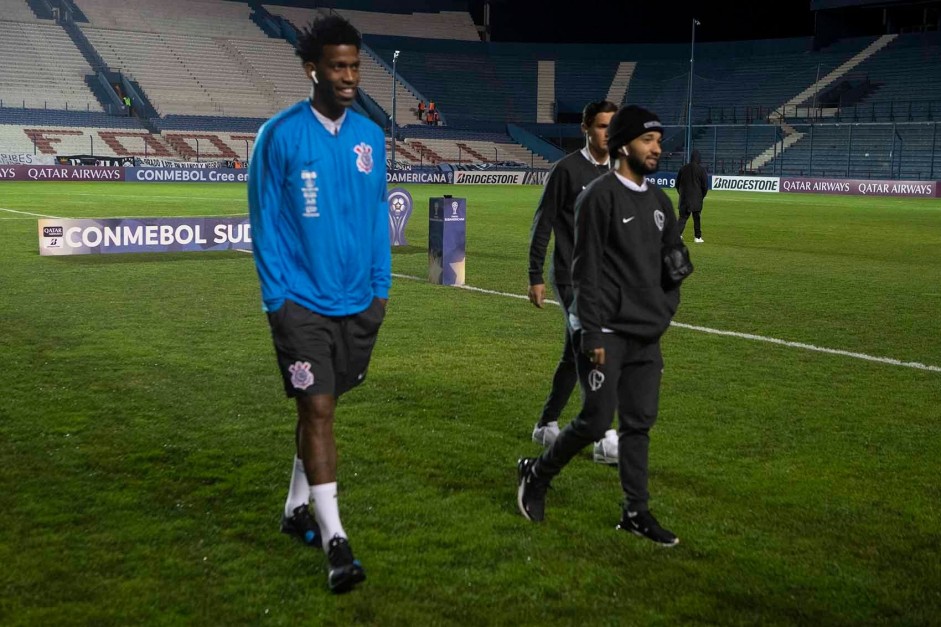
(627, 263)
(319, 218)
(556, 214)
(692, 185)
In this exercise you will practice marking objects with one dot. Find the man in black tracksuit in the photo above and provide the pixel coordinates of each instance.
(692, 184)
(623, 304)
(556, 214)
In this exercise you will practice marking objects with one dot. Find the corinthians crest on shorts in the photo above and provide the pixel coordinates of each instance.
(364, 157)
(301, 376)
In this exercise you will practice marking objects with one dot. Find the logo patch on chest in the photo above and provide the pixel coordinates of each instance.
(310, 190)
(363, 157)
(659, 218)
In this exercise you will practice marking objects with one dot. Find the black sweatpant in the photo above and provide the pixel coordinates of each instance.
(629, 383)
(565, 377)
(697, 222)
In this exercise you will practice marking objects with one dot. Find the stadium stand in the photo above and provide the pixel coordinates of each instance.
(881, 150)
(905, 83)
(471, 86)
(186, 17)
(376, 80)
(214, 70)
(278, 68)
(62, 118)
(427, 144)
(873, 151)
(124, 142)
(617, 90)
(740, 81)
(578, 82)
(42, 68)
(443, 25)
(16, 11)
(464, 151)
(186, 74)
(809, 95)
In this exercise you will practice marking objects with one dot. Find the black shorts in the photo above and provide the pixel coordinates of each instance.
(323, 354)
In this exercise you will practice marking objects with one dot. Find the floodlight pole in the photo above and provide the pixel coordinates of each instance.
(689, 99)
(395, 57)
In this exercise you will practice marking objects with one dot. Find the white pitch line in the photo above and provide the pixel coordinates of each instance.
(43, 215)
(745, 336)
(27, 213)
(811, 347)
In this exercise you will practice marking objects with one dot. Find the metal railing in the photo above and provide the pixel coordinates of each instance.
(886, 150)
(22, 103)
(913, 110)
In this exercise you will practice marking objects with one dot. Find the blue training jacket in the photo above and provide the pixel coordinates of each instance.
(319, 213)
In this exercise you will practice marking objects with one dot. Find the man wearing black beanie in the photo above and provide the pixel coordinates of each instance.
(625, 297)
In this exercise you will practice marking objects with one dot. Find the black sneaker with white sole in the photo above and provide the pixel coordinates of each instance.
(531, 491)
(302, 526)
(643, 524)
(345, 570)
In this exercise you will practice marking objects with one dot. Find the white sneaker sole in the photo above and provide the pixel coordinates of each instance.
(666, 545)
(519, 502)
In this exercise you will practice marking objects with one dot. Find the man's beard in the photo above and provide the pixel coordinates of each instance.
(640, 166)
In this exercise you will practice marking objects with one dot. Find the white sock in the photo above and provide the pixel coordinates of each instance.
(299, 491)
(324, 499)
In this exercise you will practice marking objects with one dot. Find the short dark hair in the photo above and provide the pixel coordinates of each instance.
(332, 30)
(592, 109)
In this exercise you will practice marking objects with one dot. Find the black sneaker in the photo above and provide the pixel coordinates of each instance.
(302, 526)
(345, 571)
(643, 524)
(531, 495)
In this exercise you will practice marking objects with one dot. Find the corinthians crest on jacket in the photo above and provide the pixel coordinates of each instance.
(363, 157)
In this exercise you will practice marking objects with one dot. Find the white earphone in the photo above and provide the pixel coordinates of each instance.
(313, 76)
(624, 151)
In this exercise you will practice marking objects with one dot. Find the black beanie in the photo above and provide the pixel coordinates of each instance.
(628, 124)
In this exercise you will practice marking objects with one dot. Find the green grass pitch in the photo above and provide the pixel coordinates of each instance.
(146, 446)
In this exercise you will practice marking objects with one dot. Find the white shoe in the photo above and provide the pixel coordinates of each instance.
(546, 435)
(699, 240)
(606, 449)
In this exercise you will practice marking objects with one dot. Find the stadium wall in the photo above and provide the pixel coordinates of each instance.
(754, 184)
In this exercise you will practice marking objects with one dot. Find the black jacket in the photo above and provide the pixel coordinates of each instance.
(692, 184)
(618, 261)
(556, 214)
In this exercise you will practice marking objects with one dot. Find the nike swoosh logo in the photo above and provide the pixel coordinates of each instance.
(626, 220)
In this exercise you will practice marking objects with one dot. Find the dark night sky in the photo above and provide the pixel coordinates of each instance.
(598, 21)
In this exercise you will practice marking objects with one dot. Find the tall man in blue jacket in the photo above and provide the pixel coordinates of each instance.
(319, 216)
